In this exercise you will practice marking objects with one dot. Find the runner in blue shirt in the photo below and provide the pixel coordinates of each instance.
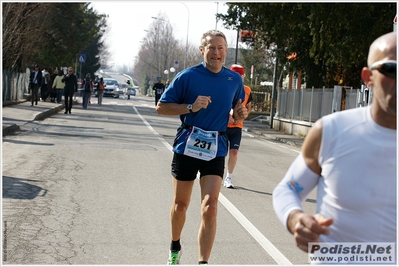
(203, 96)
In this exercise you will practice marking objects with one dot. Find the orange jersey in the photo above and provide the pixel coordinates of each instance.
(240, 124)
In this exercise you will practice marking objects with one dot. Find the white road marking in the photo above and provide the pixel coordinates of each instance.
(128, 103)
(256, 234)
(153, 131)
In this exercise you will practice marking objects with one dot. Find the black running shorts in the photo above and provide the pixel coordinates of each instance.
(185, 168)
(234, 137)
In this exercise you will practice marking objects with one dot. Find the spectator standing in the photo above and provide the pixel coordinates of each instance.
(87, 85)
(59, 84)
(71, 87)
(35, 81)
(234, 130)
(159, 88)
(351, 157)
(45, 83)
(203, 96)
(52, 91)
(129, 87)
(100, 91)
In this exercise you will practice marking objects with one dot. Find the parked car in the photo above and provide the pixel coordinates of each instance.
(132, 91)
(111, 87)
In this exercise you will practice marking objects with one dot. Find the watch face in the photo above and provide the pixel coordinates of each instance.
(190, 106)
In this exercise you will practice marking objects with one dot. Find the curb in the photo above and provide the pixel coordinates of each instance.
(10, 129)
(279, 139)
(264, 120)
(40, 116)
(13, 102)
(48, 113)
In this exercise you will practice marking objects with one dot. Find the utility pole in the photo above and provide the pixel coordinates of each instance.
(217, 10)
(76, 63)
(159, 57)
(238, 36)
(274, 91)
(188, 23)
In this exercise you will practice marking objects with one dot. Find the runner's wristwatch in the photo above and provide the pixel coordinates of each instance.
(190, 108)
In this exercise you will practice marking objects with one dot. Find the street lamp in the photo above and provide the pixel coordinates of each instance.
(152, 70)
(159, 48)
(168, 55)
(188, 23)
(159, 61)
(171, 70)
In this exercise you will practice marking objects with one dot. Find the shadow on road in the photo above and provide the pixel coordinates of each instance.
(16, 188)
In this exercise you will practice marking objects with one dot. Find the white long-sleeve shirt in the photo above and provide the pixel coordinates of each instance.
(357, 186)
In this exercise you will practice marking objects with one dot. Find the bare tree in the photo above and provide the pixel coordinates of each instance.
(193, 55)
(159, 51)
(48, 33)
(21, 27)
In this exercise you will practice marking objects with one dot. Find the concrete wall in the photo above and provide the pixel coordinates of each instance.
(294, 127)
(15, 85)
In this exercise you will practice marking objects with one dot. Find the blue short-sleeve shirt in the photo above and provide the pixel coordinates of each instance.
(225, 89)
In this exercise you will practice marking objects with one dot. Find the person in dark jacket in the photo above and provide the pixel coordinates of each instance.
(45, 83)
(71, 87)
(87, 85)
(52, 91)
(35, 81)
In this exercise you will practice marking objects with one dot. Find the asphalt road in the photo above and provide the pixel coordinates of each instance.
(94, 187)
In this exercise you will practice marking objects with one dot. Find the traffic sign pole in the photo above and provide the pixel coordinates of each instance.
(82, 60)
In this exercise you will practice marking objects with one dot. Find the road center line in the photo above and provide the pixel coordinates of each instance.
(153, 131)
(251, 229)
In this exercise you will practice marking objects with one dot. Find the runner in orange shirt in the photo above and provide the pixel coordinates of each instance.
(234, 131)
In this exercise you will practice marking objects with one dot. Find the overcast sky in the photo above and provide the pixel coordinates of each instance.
(129, 19)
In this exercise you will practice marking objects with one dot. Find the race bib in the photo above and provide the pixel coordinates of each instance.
(202, 144)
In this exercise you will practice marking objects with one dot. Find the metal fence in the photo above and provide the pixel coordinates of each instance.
(311, 104)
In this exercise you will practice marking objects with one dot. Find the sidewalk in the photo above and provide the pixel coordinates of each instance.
(260, 126)
(16, 115)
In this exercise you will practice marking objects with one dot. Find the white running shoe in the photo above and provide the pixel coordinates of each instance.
(228, 183)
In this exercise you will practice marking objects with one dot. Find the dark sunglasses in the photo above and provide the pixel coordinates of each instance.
(388, 68)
